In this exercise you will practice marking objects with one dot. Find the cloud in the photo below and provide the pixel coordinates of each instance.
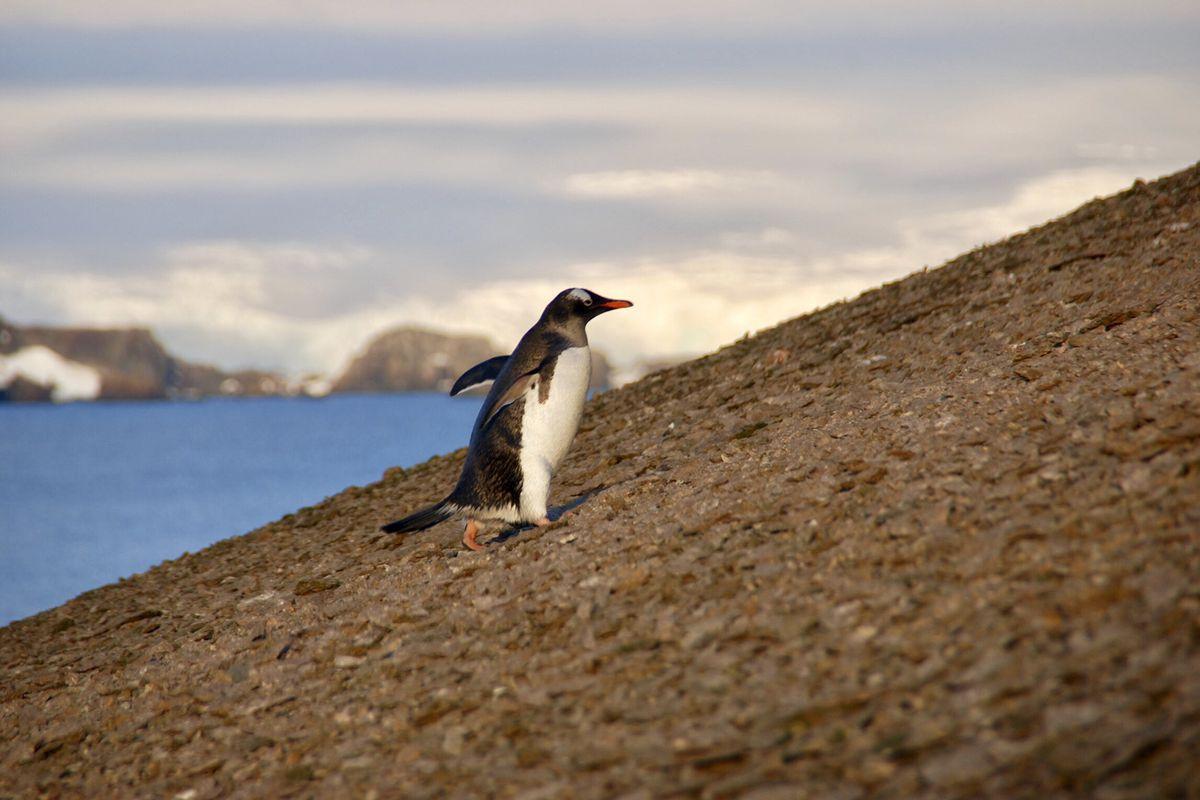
(355, 161)
(657, 183)
(785, 151)
(1114, 151)
(282, 223)
(695, 302)
(454, 15)
(70, 140)
(1033, 203)
(34, 114)
(235, 303)
(613, 15)
(762, 239)
(240, 303)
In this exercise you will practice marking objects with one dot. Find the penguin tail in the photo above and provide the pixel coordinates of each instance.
(420, 520)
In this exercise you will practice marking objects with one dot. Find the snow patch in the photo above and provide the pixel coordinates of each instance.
(68, 380)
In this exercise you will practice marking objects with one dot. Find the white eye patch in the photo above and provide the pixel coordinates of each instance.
(580, 294)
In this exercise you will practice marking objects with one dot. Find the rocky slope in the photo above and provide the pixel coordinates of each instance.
(413, 359)
(940, 541)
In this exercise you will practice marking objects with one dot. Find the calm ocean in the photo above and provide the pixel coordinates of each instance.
(91, 492)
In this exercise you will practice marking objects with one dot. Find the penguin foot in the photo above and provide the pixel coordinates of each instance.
(469, 534)
(543, 522)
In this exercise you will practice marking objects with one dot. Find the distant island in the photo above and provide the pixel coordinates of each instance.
(68, 364)
(41, 363)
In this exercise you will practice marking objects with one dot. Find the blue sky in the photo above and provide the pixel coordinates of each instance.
(271, 183)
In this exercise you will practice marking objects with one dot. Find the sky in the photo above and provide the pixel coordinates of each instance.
(270, 184)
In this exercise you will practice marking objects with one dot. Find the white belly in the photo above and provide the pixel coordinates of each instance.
(547, 427)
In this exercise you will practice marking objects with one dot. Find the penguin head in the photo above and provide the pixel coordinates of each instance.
(580, 306)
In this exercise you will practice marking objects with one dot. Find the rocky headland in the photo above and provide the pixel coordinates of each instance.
(40, 363)
(939, 541)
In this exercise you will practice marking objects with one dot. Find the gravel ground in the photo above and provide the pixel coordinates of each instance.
(939, 541)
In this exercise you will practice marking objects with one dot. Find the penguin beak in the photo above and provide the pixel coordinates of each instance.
(609, 305)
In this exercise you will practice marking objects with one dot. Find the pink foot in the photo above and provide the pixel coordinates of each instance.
(469, 534)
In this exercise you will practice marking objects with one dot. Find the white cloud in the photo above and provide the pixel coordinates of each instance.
(1033, 203)
(651, 183)
(240, 303)
(378, 14)
(772, 150)
(764, 239)
(44, 142)
(750, 202)
(237, 303)
(1114, 151)
(35, 115)
(355, 161)
(696, 302)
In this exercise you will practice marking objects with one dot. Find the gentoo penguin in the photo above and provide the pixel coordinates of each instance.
(526, 423)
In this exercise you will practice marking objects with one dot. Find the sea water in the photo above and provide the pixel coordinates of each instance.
(91, 492)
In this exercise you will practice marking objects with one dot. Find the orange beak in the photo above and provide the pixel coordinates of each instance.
(616, 304)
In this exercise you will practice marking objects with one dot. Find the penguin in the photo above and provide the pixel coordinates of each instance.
(526, 423)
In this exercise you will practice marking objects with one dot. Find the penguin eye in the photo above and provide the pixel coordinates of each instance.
(587, 301)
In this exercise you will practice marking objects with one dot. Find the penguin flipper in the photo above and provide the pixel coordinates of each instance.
(420, 520)
(480, 373)
(514, 393)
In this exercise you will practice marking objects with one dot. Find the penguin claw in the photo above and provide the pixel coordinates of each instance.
(469, 534)
(543, 522)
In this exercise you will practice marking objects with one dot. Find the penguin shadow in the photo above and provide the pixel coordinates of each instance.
(555, 513)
